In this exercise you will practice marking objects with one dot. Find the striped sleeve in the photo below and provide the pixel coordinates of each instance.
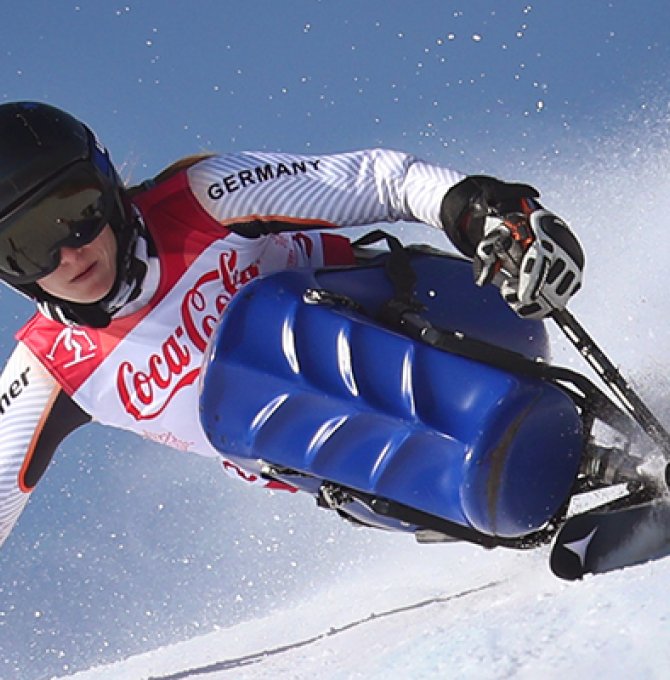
(27, 393)
(348, 189)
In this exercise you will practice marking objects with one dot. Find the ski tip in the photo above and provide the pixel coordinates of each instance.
(571, 555)
(607, 539)
(566, 564)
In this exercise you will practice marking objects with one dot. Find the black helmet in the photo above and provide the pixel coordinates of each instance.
(57, 187)
(36, 142)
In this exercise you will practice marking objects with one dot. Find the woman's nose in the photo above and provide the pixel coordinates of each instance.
(68, 254)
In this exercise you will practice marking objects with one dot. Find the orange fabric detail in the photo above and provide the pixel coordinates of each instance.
(33, 442)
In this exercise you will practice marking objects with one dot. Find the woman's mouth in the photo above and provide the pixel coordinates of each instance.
(82, 276)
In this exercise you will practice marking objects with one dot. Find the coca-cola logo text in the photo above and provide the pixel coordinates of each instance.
(147, 391)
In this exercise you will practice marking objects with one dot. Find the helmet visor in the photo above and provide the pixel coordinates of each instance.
(70, 210)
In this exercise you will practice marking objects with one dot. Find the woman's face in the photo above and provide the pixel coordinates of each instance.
(84, 275)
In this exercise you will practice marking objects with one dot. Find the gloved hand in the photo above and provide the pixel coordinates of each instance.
(536, 257)
(526, 250)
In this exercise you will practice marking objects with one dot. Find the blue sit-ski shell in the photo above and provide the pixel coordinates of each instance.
(329, 392)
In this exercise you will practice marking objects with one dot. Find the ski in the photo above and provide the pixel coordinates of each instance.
(607, 538)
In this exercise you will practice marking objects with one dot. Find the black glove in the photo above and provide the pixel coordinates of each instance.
(467, 204)
(526, 250)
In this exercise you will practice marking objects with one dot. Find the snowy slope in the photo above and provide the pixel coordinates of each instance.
(441, 612)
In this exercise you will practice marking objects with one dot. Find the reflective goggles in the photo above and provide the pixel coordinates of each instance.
(70, 210)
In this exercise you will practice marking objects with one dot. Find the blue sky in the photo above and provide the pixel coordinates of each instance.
(158, 80)
(130, 545)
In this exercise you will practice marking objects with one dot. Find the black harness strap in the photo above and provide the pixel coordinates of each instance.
(401, 274)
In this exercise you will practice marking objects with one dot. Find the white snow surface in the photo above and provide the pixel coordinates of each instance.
(440, 611)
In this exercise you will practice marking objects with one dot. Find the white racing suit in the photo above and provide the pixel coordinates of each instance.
(216, 225)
